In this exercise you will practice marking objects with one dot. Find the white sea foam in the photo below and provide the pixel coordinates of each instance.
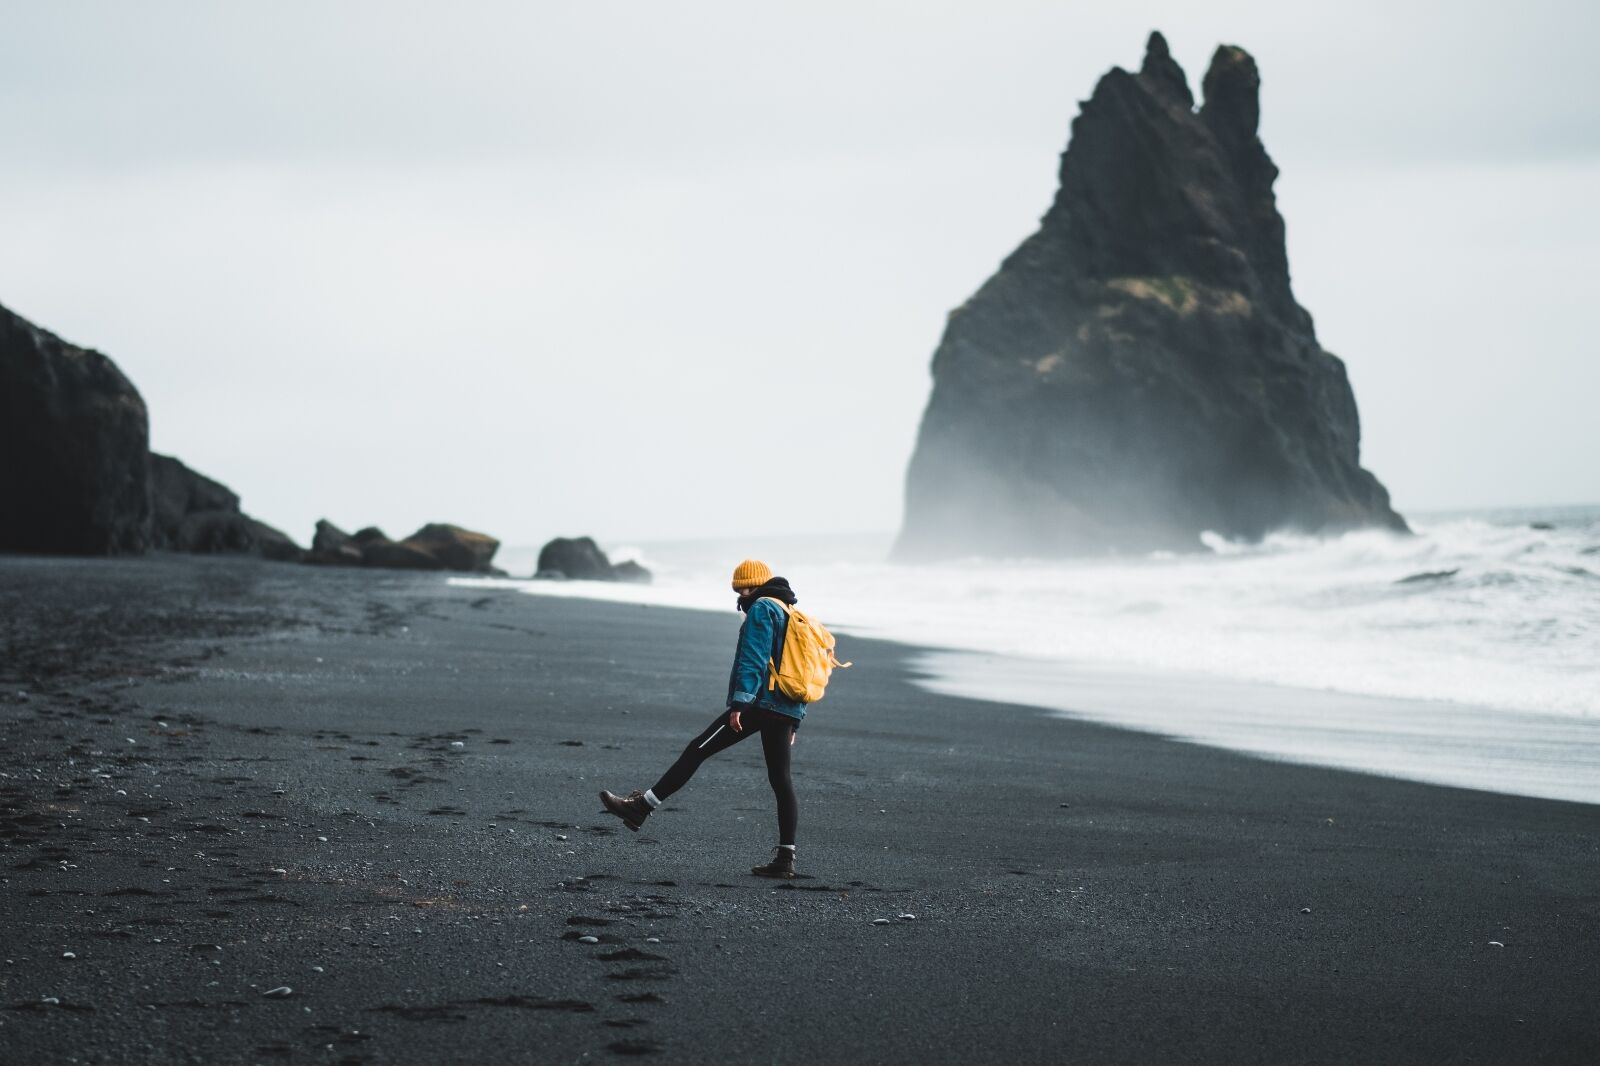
(1501, 612)
(1553, 756)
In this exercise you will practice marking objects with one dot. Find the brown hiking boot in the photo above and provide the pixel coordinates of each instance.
(633, 810)
(782, 864)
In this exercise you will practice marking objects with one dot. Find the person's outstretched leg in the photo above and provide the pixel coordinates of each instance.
(777, 736)
(718, 736)
(636, 807)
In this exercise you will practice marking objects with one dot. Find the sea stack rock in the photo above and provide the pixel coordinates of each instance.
(580, 559)
(74, 434)
(1138, 372)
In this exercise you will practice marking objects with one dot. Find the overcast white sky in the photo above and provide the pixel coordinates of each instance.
(556, 268)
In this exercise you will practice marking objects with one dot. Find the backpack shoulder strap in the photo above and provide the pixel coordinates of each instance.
(772, 665)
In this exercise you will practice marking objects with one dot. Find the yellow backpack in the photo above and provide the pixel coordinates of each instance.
(808, 658)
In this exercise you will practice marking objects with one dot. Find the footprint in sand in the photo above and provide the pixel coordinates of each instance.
(643, 973)
(635, 1047)
(630, 955)
(456, 1010)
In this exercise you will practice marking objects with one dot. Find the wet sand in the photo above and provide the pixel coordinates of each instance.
(227, 777)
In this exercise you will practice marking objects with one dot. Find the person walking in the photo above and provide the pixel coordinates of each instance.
(754, 707)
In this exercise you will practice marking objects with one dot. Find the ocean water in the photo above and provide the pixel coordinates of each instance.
(1418, 656)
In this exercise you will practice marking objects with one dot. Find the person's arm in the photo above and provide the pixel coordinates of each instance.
(750, 658)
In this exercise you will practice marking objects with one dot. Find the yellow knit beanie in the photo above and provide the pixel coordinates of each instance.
(750, 573)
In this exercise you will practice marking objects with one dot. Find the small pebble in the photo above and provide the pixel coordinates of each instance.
(316, 969)
(279, 992)
(458, 744)
(52, 1000)
(1305, 910)
(560, 836)
(72, 955)
(588, 940)
(323, 839)
(1066, 805)
(1496, 944)
(279, 870)
(880, 921)
(908, 917)
(652, 940)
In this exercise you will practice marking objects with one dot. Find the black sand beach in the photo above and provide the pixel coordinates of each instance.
(376, 791)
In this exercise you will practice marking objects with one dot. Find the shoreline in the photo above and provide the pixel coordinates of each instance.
(1437, 742)
(1432, 742)
(378, 791)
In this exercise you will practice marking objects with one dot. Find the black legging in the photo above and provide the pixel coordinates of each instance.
(777, 730)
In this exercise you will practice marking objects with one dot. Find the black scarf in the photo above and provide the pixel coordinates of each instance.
(778, 588)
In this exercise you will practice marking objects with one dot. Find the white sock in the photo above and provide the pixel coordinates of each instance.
(787, 847)
(650, 798)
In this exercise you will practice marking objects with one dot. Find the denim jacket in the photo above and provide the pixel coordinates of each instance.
(761, 640)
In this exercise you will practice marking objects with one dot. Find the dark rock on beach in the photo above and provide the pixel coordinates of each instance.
(628, 570)
(580, 559)
(176, 492)
(398, 555)
(456, 548)
(328, 537)
(436, 546)
(332, 546)
(575, 557)
(213, 532)
(74, 436)
(195, 514)
(1138, 371)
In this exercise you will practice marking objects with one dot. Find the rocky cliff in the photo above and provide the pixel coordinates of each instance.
(77, 476)
(1138, 371)
(74, 439)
